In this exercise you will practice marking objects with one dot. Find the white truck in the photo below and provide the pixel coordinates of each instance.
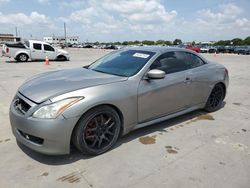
(34, 50)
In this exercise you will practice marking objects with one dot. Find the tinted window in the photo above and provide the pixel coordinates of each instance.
(27, 43)
(122, 63)
(48, 47)
(193, 61)
(170, 62)
(37, 46)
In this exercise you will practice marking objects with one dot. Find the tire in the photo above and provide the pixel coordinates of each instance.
(97, 131)
(22, 58)
(216, 98)
(61, 58)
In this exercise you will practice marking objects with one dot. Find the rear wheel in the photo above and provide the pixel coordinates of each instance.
(22, 57)
(97, 131)
(216, 98)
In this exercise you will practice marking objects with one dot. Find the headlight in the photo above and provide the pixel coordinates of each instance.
(53, 110)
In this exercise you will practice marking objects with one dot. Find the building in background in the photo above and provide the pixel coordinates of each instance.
(61, 40)
(8, 38)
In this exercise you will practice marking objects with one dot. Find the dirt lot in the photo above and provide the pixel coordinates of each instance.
(194, 150)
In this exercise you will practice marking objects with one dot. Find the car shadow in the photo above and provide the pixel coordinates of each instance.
(33, 61)
(75, 155)
(17, 62)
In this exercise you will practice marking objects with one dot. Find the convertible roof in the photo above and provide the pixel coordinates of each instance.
(159, 49)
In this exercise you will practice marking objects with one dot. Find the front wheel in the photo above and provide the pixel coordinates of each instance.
(97, 131)
(61, 58)
(215, 99)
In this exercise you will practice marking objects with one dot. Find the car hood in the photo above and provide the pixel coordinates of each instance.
(47, 85)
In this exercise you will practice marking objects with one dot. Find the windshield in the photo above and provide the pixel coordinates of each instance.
(122, 63)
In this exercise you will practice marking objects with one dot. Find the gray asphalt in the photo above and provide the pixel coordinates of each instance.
(194, 150)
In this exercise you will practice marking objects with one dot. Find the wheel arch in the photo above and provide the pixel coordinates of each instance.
(224, 87)
(97, 106)
(22, 52)
(61, 55)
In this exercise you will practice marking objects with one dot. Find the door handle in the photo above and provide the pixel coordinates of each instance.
(188, 80)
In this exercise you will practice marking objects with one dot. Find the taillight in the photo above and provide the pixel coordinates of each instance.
(7, 50)
(226, 71)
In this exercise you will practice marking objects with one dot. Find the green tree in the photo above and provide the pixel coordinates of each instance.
(160, 42)
(246, 41)
(223, 42)
(167, 42)
(148, 42)
(136, 42)
(125, 43)
(177, 41)
(117, 43)
(237, 41)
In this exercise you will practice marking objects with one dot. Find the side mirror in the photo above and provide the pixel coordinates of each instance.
(156, 74)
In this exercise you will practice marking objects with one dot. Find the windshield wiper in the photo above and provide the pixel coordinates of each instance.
(108, 73)
(100, 71)
(86, 67)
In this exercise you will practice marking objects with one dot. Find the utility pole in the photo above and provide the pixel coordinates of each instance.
(16, 31)
(65, 35)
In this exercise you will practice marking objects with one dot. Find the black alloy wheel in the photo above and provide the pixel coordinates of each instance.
(97, 131)
(216, 98)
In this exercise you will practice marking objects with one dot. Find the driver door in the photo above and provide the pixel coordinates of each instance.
(160, 97)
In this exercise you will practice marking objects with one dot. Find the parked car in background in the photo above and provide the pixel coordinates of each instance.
(204, 49)
(87, 46)
(127, 89)
(34, 50)
(212, 49)
(191, 47)
(111, 47)
(230, 49)
(245, 50)
(221, 49)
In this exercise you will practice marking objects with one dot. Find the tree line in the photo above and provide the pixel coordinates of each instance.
(235, 41)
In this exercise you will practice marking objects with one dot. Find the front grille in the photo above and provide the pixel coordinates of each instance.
(31, 138)
(21, 106)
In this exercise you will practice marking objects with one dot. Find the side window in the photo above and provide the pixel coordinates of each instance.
(37, 46)
(170, 62)
(193, 61)
(48, 48)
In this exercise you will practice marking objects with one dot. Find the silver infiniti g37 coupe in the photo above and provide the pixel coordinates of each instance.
(124, 90)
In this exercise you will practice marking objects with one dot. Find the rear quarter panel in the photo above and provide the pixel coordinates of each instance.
(18, 51)
(218, 75)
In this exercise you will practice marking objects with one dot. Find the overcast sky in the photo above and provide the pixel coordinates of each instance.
(120, 20)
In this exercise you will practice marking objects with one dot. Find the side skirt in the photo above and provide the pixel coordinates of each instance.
(158, 120)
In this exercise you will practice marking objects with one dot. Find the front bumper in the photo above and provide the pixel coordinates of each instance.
(47, 136)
